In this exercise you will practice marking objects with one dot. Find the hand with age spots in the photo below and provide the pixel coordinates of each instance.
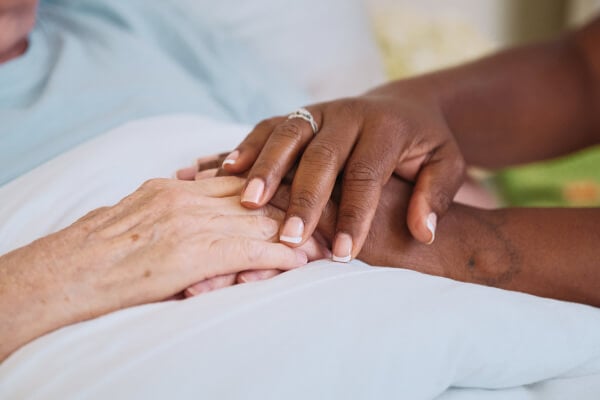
(150, 246)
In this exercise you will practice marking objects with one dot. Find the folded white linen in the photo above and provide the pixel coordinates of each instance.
(323, 331)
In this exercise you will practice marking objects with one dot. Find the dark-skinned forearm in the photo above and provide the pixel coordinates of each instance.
(524, 104)
(546, 252)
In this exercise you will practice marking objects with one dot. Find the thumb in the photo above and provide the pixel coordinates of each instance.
(437, 183)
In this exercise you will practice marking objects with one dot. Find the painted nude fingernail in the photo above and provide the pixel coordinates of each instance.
(231, 158)
(292, 230)
(431, 223)
(342, 248)
(254, 191)
(195, 290)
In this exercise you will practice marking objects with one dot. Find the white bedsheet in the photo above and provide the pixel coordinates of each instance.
(323, 331)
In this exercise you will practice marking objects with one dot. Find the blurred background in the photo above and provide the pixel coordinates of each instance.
(419, 36)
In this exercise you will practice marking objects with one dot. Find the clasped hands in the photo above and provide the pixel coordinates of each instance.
(370, 152)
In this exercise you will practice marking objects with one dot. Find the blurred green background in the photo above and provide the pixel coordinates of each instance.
(417, 37)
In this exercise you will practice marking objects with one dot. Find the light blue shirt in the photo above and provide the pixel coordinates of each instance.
(94, 64)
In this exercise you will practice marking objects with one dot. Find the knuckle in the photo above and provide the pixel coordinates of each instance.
(268, 226)
(362, 174)
(352, 214)
(349, 107)
(267, 124)
(254, 254)
(321, 153)
(443, 200)
(264, 168)
(304, 199)
(170, 196)
(290, 130)
(172, 221)
(94, 214)
(460, 166)
(153, 184)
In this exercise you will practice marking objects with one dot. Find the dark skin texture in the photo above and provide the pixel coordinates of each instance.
(520, 249)
(521, 105)
(524, 250)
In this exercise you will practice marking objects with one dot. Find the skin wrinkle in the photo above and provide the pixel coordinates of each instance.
(542, 108)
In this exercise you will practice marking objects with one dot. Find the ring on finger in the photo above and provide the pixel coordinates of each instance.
(304, 114)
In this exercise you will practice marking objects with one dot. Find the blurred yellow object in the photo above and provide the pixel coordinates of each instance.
(413, 42)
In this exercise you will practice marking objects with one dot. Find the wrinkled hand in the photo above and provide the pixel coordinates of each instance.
(158, 241)
(366, 139)
(152, 245)
(315, 248)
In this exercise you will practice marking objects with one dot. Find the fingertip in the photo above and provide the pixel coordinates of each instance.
(235, 162)
(424, 228)
(342, 248)
(231, 159)
(196, 290)
(292, 231)
(431, 225)
(301, 258)
(187, 174)
(253, 193)
(239, 161)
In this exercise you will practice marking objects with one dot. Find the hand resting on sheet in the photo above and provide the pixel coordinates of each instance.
(482, 246)
(550, 94)
(150, 246)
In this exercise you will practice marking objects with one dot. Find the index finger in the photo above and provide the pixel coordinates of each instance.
(315, 177)
(277, 157)
(369, 168)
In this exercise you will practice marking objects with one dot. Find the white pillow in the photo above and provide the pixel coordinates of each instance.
(325, 46)
(326, 331)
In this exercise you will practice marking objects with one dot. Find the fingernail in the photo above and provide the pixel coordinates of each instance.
(431, 223)
(249, 277)
(231, 158)
(342, 248)
(292, 230)
(254, 191)
(192, 291)
(301, 258)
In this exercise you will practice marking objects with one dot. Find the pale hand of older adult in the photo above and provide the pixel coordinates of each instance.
(152, 245)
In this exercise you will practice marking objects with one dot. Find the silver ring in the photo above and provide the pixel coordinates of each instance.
(304, 114)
